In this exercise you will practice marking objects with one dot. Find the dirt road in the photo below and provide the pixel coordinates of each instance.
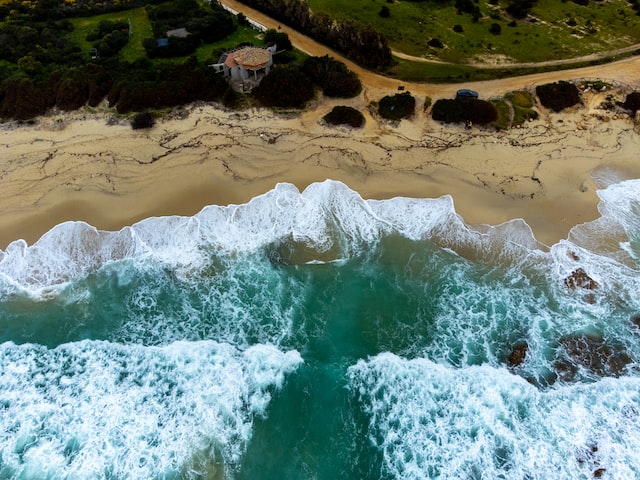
(625, 71)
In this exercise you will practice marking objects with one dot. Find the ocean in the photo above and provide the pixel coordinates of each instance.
(317, 335)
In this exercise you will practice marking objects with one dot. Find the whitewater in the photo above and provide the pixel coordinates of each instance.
(319, 335)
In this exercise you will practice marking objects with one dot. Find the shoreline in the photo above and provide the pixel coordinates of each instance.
(74, 166)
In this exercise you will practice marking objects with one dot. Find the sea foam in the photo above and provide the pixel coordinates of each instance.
(100, 410)
(328, 217)
(431, 421)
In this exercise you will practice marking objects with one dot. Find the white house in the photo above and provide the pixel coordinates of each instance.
(245, 62)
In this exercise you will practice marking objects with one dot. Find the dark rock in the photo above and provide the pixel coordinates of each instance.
(635, 319)
(598, 472)
(580, 279)
(590, 353)
(518, 354)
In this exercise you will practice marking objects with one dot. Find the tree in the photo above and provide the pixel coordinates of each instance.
(21, 98)
(284, 87)
(495, 29)
(280, 39)
(335, 79)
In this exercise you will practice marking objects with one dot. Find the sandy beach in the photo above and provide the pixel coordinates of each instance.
(91, 166)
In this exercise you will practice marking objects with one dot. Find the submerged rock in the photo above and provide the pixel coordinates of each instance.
(590, 353)
(580, 279)
(518, 354)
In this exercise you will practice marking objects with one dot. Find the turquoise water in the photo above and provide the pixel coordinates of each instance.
(317, 335)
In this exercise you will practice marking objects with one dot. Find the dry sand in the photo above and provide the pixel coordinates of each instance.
(78, 167)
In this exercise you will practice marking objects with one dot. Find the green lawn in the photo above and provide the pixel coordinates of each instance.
(141, 29)
(599, 26)
(243, 34)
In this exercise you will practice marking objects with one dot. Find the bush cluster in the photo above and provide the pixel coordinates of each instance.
(558, 96)
(208, 24)
(357, 41)
(286, 87)
(147, 86)
(632, 102)
(400, 105)
(142, 120)
(335, 79)
(109, 37)
(464, 109)
(520, 8)
(46, 42)
(343, 115)
(128, 87)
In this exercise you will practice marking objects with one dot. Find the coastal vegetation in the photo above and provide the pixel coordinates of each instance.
(495, 31)
(357, 40)
(286, 87)
(398, 106)
(335, 79)
(343, 115)
(463, 109)
(559, 95)
(141, 55)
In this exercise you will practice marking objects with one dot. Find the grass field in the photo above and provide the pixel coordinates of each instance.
(560, 29)
(140, 29)
(243, 34)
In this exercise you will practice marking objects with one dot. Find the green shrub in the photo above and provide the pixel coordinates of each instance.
(400, 105)
(464, 109)
(142, 120)
(105, 27)
(145, 87)
(280, 39)
(343, 115)
(100, 83)
(335, 79)
(558, 96)
(520, 98)
(632, 102)
(503, 120)
(21, 98)
(284, 87)
(521, 115)
(73, 89)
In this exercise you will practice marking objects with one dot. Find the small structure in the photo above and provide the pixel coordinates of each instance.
(245, 64)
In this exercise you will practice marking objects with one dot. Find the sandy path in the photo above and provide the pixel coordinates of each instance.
(625, 71)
